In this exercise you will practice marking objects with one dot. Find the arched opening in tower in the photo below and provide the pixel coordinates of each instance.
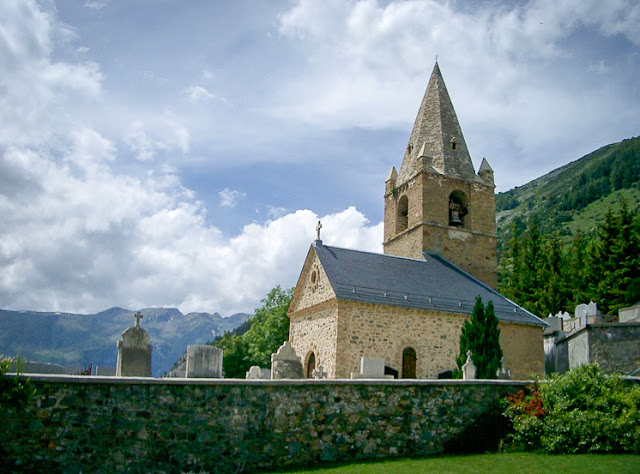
(457, 209)
(402, 221)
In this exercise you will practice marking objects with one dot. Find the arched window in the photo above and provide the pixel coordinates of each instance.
(402, 221)
(457, 208)
(409, 363)
(311, 365)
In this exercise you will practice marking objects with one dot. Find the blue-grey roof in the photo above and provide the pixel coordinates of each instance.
(429, 283)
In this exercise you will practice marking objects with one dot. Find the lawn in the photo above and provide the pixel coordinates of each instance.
(519, 463)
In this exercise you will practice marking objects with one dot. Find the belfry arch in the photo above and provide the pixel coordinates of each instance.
(402, 218)
(458, 209)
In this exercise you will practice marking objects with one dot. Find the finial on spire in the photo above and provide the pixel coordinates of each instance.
(436, 59)
(318, 227)
(138, 316)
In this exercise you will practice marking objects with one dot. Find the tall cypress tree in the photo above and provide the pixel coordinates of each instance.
(481, 335)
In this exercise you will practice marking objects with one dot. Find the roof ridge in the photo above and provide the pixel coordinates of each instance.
(373, 253)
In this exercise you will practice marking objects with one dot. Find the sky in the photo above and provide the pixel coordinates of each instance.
(180, 153)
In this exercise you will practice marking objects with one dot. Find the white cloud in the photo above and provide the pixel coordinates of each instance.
(229, 197)
(138, 141)
(37, 93)
(198, 94)
(97, 4)
(89, 239)
(513, 70)
(361, 53)
(274, 212)
(169, 134)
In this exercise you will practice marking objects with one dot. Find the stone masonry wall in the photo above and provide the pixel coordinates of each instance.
(523, 349)
(112, 425)
(471, 247)
(615, 347)
(316, 331)
(314, 287)
(372, 330)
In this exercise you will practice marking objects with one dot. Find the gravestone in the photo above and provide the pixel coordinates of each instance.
(105, 371)
(503, 373)
(203, 361)
(371, 368)
(256, 373)
(285, 363)
(134, 352)
(469, 368)
(583, 311)
(563, 315)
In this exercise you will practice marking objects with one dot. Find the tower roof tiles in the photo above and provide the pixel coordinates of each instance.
(437, 136)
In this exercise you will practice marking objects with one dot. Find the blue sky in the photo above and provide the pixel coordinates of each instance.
(172, 153)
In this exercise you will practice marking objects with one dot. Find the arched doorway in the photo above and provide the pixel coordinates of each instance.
(409, 363)
(311, 365)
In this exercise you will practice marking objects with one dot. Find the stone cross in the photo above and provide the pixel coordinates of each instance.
(318, 227)
(319, 373)
(138, 316)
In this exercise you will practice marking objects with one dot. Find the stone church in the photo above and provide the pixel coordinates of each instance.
(408, 305)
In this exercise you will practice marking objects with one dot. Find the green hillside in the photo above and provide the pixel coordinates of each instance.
(575, 197)
(572, 235)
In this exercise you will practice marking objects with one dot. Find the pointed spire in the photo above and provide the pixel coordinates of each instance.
(437, 134)
(393, 175)
(484, 166)
(486, 172)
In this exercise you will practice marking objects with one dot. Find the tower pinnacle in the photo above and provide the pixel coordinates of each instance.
(437, 137)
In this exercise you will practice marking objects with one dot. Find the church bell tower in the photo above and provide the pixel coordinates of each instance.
(437, 203)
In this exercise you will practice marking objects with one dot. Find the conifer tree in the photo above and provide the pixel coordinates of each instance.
(616, 261)
(481, 336)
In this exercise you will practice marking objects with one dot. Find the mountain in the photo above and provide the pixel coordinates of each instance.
(82, 339)
(575, 197)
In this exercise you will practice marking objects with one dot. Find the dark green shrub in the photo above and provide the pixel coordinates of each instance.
(14, 391)
(582, 411)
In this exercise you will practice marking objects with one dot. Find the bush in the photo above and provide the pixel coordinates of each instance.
(14, 391)
(582, 411)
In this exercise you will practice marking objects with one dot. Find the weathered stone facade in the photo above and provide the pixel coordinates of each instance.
(370, 330)
(471, 247)
(88, 424)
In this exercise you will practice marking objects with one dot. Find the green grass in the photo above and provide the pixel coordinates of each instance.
(518, 463)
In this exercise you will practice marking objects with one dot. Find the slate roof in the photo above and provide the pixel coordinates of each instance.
(432, 283)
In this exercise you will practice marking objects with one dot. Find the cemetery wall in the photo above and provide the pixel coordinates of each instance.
(615, 347)
(135, 424)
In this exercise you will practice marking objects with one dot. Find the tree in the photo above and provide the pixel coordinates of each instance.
(269, 328)
(616, 261)
(481, 336)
